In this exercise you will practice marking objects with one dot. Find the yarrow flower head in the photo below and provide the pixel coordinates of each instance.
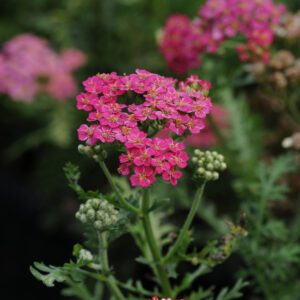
(182, 41)
(208, 164)
(129, 110)
(28, 66)
(99, 213)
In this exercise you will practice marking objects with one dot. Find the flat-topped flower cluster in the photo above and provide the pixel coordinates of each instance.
(28, 66)
(131, 109)
(184, 40)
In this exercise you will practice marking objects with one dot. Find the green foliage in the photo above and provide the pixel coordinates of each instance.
(189, 278)
(234, 292)
(268, 176)
(272, 257)
(136, 288)
(70, 274)
(72, 174)
(244, 141)
(201, 294)
(225, 294)
(51, 274)
(162, 232)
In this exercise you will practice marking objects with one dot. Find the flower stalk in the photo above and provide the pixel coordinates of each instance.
(187, 224)
(123, 202)
(103, 258)
(154, 248)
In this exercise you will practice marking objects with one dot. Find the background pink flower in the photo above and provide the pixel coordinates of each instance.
(183, 41)
(28, 66)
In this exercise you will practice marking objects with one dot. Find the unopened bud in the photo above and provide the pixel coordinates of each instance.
(97, 212)
(208, 164)
(85, 255)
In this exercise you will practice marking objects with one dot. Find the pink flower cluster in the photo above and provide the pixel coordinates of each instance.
(28, 67)
(154, 102)
(218, 21)
(181, 44)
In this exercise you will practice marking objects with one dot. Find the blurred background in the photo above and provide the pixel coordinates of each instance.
(38, 138)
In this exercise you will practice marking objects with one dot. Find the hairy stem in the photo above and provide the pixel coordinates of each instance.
(103, 257)
(187, 223)
(123, 202)
(155, 251)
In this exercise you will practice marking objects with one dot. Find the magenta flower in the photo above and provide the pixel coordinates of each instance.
(137, 140)
(84, 101)
(143, 176)
(86, 133)
(160, 164)
(159, 145)
(178, 159)
(172, 175)
(124, 169)
(105, 134)
(144, 157)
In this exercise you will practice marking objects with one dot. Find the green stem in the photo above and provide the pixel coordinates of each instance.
(124, 203)
(103, 257)
(155, 251)
(187, 223)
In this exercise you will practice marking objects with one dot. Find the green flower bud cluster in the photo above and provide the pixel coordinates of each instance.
(99, 213)
(208, 164)
(96, 152)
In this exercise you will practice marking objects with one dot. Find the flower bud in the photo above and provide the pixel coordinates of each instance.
(208, 164)
(83, 218)
(86, 150)
(90, 214)
(98, 225)
(96, 152)
(99, 213)
(81, 149)
(85, 255)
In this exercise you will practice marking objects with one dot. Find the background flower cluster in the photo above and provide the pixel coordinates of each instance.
(183, 40)
(28, 66)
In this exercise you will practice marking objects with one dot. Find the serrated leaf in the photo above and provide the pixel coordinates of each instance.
(54, 275)
(137, 288)
(189, 278)
(234, 292)
(201, 294)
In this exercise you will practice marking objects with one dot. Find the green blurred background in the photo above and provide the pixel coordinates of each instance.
(37, 207)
